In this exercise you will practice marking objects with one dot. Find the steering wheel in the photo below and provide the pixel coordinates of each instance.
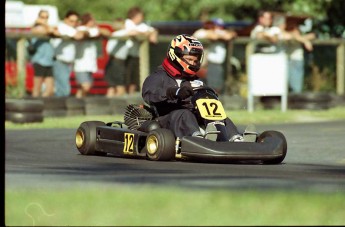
(203, 92)
(196, 89)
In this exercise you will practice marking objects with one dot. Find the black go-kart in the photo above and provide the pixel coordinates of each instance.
(140, 136)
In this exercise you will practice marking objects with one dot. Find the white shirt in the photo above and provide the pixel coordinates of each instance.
(86, 52)
(130, 25)
(216, 51)
(296, 52)
(271, 31)
(119, 48)
(65, 49)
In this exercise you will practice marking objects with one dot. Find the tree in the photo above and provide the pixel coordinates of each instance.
(330, 12)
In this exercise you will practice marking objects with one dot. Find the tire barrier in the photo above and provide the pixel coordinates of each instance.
(233, 102)
(24, 110)
(338, 100)
(270, 102)
(75, 106)
(54, 107)
(97, 106)
(310, 101)
(34, 110)
(118, 105)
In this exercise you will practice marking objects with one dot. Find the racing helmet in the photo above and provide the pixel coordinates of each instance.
(185, 45)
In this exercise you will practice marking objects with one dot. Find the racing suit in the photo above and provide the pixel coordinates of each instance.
(174, 114)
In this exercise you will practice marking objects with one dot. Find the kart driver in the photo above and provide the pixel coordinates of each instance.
(170, 87)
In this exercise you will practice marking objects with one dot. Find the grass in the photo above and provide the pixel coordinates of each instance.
(142, 206)
(238, 117)
(138, 205)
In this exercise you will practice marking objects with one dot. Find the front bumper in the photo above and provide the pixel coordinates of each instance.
(199, 148)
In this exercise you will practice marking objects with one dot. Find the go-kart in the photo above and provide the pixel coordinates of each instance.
(140, 136)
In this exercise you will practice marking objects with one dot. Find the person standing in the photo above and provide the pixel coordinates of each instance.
(43, 56)
(214, 31)
(85, 63)
(264, 30)
(117, 49)
(65, 52)
(134, 22)
(295, 52)
(295, 45)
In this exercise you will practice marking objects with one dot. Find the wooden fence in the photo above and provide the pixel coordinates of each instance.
(145, 57)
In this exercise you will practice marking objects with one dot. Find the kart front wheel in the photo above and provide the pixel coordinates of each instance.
(278, 136)
(160, 145)
(85, 137)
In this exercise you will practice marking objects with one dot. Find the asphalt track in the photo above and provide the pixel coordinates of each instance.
(48, 158)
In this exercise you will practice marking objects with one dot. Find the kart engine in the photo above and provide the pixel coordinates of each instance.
(135, 115)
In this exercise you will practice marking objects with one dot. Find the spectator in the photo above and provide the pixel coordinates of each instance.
(65, 52)
(295, 51)
(117, 50)
(218, 36)
(264, 30)
(264, 78)
(86, 55)
(134, 22)
(43, 56)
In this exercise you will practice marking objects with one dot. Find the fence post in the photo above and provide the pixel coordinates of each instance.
(144, 61)
(21, 65)
(250, 98)
(340, 67)
(228, 68)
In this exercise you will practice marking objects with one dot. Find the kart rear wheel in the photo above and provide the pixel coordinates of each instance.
(277, 135)
(85, 137)
(160, 145)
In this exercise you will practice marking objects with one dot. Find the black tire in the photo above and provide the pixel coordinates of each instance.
(338, 100)
(24, 105)
(277, 135)
(54, 103)
(85, 137)
(55, 113)
(310, 97)
(160, 145)
(271, 102)
(96, 101)
(97, 106)
(93, 110)
(118, 105)
(75, 112)
(74, 103)
(310, 105)
(25, 117)
(233, 102)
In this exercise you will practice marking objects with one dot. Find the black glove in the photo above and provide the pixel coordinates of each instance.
(180, 93)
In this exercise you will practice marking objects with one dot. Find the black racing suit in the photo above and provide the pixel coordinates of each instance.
(174, 114)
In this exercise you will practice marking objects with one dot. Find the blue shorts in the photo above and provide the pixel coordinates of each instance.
(83, 77)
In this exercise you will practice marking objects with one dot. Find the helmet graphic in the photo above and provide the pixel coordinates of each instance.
(185, 45)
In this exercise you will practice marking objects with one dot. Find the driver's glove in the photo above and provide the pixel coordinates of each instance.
(179, 92)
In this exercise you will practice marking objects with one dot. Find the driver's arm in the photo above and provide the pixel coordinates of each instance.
(154, 89)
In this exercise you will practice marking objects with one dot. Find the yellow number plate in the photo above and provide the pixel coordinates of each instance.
(128, 147)
(211, 109)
